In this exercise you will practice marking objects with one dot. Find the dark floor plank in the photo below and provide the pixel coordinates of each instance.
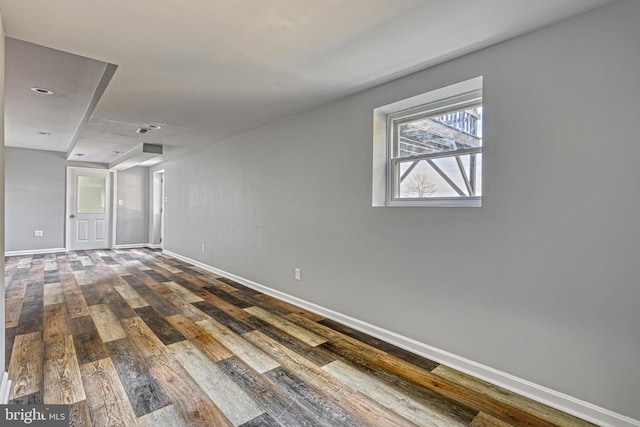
(261, 389)
(251, 297)
(264, 420)
(156, 276)
(323, 411)
(119, 306)
(31, 314)
(145, 395)
(215, 313)
(29, 399)
(382, 345)
(227, 296)
(153, 299)
(160, 327)
(86, 339)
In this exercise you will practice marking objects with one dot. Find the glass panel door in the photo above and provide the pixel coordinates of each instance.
(91, 194)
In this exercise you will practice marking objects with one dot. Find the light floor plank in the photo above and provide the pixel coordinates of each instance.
(82, 277)
(399, 402)
(56, 322)
(213, 349)
(25, 367)
(292, 329)
(107, 323)
(246, 351)
(131, 296)
(509, 398)
(107, 399)
(62, 379)
(185, 294)
(486, 420)
(13, 306)
(168, 267)
(143, 339)
(230, 398)
(164, 417)
(190, 400)
(53, 293)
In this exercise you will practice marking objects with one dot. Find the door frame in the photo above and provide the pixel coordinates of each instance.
(111, 212)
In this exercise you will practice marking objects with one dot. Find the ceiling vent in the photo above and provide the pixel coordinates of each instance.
(143, 130)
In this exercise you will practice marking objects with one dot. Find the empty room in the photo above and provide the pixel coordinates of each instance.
(320, 213)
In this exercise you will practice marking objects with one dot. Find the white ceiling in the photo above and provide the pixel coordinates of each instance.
(209, 69)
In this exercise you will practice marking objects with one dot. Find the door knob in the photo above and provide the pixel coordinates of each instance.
(72, 216)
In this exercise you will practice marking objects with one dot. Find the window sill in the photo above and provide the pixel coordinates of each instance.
(467, 202)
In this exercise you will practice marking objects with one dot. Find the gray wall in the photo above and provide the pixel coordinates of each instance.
(132, 225)
(35, 199)
(541, 282)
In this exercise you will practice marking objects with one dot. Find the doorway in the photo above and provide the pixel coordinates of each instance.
(157, 223)
(89, 216)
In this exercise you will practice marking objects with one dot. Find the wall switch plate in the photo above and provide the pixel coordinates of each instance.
(120, 203)
(37, 233)
(203, 248)
(297, 273)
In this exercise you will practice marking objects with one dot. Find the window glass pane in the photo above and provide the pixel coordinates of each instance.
(446, 132)
(441, 177)
(91, 194)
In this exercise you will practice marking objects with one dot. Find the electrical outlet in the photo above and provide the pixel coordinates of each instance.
(37, 233)
(297, 273)
(203, 248)
(120, 202)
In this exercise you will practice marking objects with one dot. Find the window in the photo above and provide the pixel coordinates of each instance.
(432, 148)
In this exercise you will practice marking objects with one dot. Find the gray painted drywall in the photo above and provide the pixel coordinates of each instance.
(132, 226)
(35, 198)
(35, 192)
(2, 302)
(540, 282)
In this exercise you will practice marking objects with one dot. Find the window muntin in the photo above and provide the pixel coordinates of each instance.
(435, 152)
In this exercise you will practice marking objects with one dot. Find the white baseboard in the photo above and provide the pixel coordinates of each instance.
(5, 388)
(56, 250)
(547, 396)
(139, 245)
(133, 246)
(35, 252)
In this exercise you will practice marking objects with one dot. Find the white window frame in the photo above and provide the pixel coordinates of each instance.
(386, 177)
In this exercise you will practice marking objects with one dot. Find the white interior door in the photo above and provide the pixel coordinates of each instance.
(88, 209)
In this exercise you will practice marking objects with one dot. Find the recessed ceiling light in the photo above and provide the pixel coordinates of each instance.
(44, 133)
(79, 154)
(154, 126)
(143, 130)
(118, 152)
(42, 90)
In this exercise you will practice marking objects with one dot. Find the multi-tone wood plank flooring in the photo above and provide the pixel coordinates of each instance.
(136, 338)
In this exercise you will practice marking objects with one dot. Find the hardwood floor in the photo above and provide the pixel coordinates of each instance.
(136, 338)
